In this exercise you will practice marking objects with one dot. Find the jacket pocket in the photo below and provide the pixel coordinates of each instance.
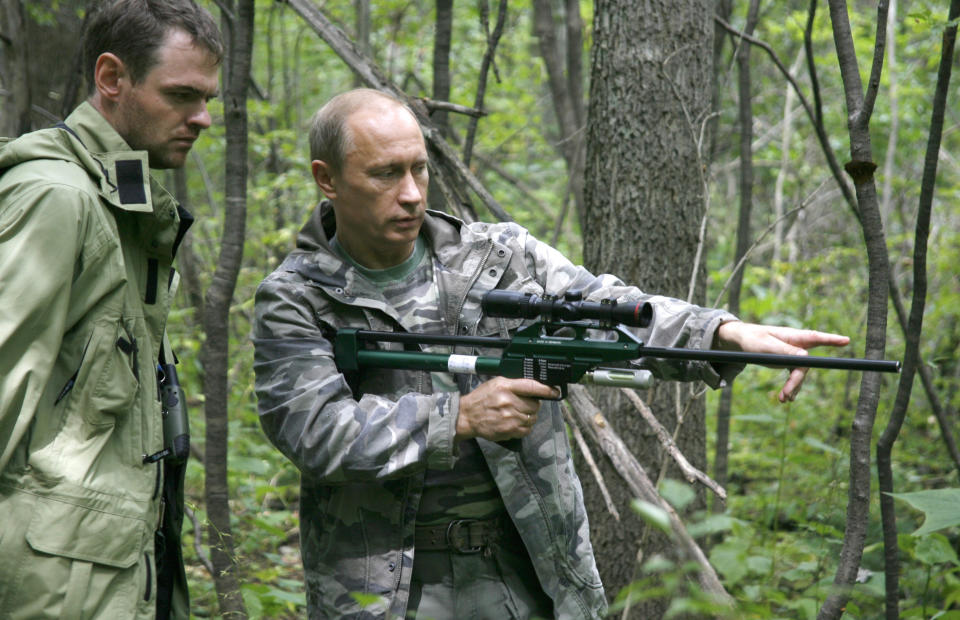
(107, 383)
(68, 530)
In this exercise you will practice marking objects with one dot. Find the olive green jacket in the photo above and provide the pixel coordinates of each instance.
(86, 243)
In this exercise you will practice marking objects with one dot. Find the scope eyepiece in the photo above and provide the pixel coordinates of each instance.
(511, 304)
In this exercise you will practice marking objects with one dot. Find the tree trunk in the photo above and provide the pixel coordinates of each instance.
(562, 59)
(650, 91)
(745, 115)
(915, 324)
(442, 35)
(861, 169)
(14, 87)
(216, 319)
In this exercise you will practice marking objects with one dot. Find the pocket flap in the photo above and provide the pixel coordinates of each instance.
(82, 533)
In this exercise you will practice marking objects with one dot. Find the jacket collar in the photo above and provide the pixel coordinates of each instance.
(124, 174)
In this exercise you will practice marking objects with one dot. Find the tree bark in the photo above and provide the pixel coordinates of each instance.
(745, 116)
(216, 319)
(562, 59)
(915, 322)
(14, 85)
(650, 76)
(861, 170)
(442, 36)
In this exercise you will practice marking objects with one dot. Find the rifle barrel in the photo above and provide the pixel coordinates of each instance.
(773, 360)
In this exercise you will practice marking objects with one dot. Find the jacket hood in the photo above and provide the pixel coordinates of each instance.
(54, 143)
(88, 140)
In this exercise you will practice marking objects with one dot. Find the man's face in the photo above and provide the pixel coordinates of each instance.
(379, 196)
(165, 112)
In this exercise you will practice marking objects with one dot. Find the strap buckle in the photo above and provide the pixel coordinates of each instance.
(459, 540)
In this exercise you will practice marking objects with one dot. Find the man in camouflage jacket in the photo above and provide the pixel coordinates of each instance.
(365, 445)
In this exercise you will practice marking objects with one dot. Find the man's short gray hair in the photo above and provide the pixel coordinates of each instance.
(329, 137)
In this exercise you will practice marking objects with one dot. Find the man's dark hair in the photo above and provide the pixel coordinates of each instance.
(135, 29)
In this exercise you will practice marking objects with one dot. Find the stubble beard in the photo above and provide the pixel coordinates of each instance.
(136, 124)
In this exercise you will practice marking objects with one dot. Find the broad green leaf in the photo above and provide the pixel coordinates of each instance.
(653, 515)
(679, 494)
(941, 508)
(935, 549)
(730, 560)
(759, 564)
(365, 599)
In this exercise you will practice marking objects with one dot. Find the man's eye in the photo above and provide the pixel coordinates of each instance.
(183, 97)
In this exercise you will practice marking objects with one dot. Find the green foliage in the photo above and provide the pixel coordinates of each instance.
(940, 506)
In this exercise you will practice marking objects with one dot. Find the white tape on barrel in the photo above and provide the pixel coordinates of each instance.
(464, 364)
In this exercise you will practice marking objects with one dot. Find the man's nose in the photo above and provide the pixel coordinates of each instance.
(200, 117)
(410, 191)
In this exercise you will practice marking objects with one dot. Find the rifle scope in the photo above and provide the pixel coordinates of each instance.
(571, 307)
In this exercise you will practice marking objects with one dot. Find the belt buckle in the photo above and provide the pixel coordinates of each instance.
(453, 529)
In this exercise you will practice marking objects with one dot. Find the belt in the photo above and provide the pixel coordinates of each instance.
(462, 535)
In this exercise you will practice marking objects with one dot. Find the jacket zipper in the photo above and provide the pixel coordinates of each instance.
(473, 280)
(149, 589)
(73, 378)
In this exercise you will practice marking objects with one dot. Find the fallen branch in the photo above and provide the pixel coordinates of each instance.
(588, 459)
(691, 473)
(589, 417)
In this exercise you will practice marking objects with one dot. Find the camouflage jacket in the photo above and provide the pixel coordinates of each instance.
(363, 461)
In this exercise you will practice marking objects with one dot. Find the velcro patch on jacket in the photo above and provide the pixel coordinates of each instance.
(130, 181)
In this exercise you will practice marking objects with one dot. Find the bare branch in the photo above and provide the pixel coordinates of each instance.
(432, 104)
(588, 459)
(593, 422)
(492, 40)
(198, 540)
(691, 473)
(814, 117)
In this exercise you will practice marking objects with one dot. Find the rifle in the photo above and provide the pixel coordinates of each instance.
(557, 350)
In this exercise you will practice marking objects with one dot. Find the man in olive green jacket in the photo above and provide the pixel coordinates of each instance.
(87, 238)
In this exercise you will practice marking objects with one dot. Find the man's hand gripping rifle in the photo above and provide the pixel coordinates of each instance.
(557, 350)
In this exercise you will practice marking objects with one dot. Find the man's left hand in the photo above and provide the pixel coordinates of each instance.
(755, 338)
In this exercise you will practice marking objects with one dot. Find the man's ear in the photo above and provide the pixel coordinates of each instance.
(109, 75)
(324, 178)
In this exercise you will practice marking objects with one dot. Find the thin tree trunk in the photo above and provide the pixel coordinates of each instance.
(861, 169)
(362, 26)
(565, 79)
(816, 118)
(216, 320)
(745, 115)
(14, 86)
(442, 36)
(915, 323)
(488, 63)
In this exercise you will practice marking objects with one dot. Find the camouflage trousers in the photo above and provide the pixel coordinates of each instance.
(495, 585)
